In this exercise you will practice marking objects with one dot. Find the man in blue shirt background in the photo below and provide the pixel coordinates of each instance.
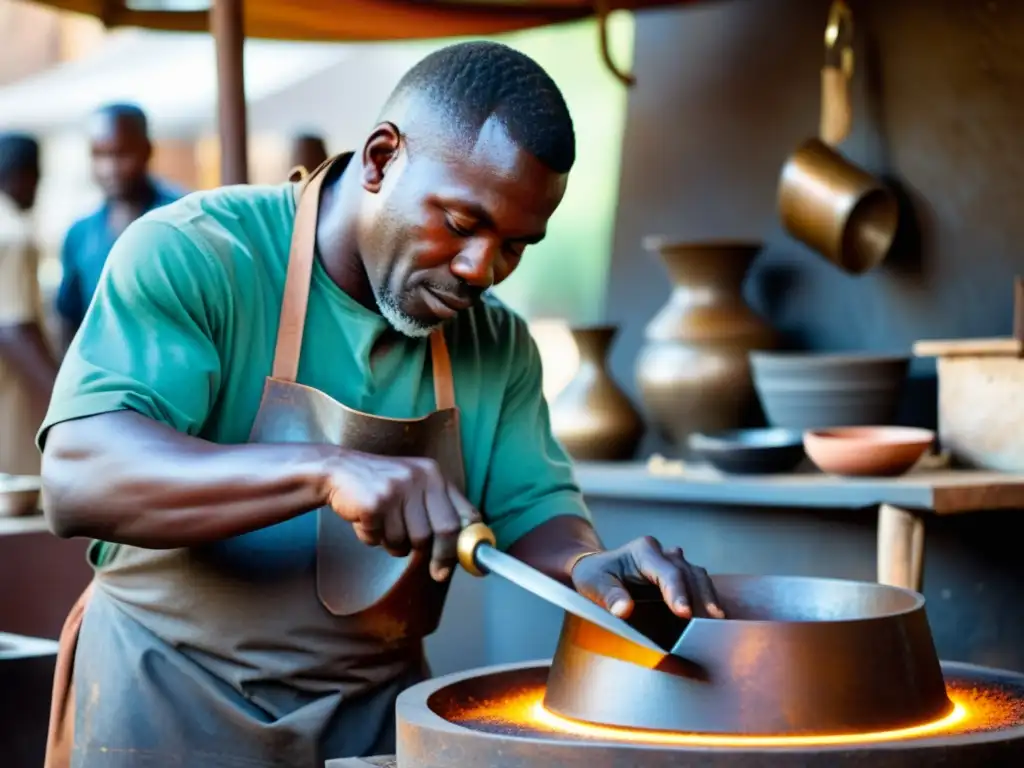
(121, 151)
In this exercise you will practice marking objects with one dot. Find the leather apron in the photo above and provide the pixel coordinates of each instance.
(286, 646)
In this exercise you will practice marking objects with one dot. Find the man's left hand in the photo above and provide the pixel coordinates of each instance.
(605, 578)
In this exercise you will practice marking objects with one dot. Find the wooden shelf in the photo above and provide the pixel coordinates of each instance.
(941, 491)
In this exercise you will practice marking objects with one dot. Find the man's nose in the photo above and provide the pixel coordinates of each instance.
(475, 263)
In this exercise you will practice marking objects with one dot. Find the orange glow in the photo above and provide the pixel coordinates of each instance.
(558, 723)
(975, 709)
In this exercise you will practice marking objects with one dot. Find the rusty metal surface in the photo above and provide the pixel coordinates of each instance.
(797, 656)
(439, 726)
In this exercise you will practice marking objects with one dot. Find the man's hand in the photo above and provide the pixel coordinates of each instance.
(605, 577)
(402, 504)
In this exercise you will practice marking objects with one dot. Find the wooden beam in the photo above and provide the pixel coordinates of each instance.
(226, 24)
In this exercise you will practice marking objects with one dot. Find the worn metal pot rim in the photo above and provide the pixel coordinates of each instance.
(837, 358)
(876, 434)
(774, 439)
(916, 601)
(665, 243)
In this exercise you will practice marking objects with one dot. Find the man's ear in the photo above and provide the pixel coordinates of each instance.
(379, 151)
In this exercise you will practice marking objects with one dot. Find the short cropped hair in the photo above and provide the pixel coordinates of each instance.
(475, 81)
(19, 153)
(130, 114)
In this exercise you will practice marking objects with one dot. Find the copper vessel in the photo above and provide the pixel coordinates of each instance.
(827, 202)
(796, 656)
(591, 417)
(693, 370)
(837, 208)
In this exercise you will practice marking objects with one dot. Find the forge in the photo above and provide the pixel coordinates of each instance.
(805, 673)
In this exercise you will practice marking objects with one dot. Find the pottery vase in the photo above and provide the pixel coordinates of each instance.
(693, 370)
(591, 417)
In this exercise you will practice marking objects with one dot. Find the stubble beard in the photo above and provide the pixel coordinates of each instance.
(401, 321)
(391, 310)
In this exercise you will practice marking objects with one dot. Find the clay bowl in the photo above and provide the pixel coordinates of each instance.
(867, 451)
(749, 451)
(809, 391)
(19, 495)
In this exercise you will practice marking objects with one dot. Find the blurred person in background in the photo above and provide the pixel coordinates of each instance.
(27, 364)
(308, 151)
(121, 152)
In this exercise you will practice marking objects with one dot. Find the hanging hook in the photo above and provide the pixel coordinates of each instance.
(602, 9)
(839, 34)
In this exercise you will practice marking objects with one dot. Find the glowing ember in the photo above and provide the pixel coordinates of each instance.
(975, 709)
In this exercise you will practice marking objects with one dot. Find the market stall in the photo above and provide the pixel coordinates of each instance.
(231, 21)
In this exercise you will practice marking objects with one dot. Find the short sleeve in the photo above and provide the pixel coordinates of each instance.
(148, 339)
(19, 283)
(69, 293)
(530, 477)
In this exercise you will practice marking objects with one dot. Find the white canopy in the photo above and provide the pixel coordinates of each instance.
(289, 86)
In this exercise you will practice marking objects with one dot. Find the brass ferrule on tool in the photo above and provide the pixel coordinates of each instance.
(472, 536)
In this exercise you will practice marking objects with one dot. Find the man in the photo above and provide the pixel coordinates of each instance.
(27, 365)
(280, 528)
(121, 152)
(308, 151)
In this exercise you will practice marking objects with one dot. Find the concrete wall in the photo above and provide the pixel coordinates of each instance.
(726, 90)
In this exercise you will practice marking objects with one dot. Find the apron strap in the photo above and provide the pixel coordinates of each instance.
(444, 382)
(300, 271)
(295, 302)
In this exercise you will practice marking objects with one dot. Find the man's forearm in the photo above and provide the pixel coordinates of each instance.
(124, 478)
(26, 352)
(553, 547)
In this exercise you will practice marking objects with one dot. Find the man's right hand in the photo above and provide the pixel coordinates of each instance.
(401, 504)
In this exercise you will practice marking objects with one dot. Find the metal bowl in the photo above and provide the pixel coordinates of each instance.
(19, 495)
(796, 656)
(749, 451)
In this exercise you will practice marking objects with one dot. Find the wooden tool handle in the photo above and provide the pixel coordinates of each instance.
(836, 106)
(836, 109)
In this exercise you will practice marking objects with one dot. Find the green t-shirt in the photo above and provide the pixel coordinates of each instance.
(183, 325)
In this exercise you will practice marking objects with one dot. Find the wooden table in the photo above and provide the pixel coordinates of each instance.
(903, 503)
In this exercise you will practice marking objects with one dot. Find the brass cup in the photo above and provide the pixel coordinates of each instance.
(837, 208)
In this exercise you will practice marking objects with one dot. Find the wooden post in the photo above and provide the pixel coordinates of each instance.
(227, 25)
(900, 548)
(1018, 309)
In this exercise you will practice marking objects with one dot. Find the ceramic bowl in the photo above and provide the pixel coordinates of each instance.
(867, 451)
(811, 391)
(749, 451)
